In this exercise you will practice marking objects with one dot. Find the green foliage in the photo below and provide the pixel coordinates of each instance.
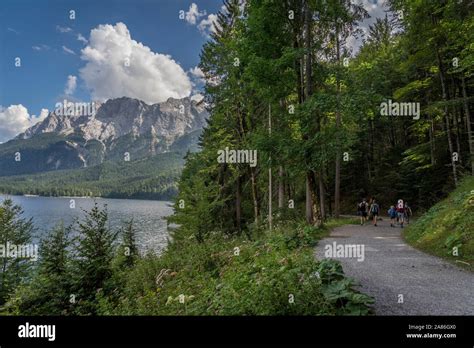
(147, 178)
(266, 276)
(49, 289)
(448, 225)
(339, 290)
(81, 270)
(14, 231)
(93, 260)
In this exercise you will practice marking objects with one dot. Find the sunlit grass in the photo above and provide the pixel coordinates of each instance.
(447, 228)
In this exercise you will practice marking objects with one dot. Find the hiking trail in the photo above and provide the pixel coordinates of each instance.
(429, 285)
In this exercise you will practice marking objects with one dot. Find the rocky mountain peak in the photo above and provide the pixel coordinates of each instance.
(117, 126)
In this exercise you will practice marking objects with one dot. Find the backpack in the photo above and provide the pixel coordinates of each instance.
(375, 209)
(362, 206)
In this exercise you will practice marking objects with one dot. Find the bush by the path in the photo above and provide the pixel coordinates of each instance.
(275, 274)
(447, 229)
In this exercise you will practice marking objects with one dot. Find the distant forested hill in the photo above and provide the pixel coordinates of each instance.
(153, 177)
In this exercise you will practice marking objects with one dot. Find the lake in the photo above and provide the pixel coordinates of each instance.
(148, 216)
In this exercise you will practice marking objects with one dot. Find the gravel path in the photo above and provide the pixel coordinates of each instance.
(429, 285)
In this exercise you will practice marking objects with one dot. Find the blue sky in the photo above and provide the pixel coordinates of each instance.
(43, 36)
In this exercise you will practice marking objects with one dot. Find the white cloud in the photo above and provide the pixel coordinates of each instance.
(208, 25)
(376, 9)
(197, 74)
(16, 119)
(119, 66)
(197, 97)
(63, 29)
(13, 30)
(194, 14)
(40, 47)
(82, 39)
(70, 85)
(68, 50)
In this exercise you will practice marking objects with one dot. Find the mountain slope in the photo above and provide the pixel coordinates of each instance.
(448, 225)
(120, 129)
(153, 177)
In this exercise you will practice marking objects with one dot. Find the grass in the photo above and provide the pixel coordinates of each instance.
(273, 274)
(447, 229)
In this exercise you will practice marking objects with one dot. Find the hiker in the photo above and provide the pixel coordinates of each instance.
(401, 212)
(374, 211)
(408, 213)
(362, 211)
(392, 212)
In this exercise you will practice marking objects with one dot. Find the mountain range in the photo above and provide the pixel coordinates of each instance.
(122, 129)
(125, 148)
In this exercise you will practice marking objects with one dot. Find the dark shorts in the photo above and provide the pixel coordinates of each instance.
(363, 213)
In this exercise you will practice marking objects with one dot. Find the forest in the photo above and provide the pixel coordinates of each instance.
(282, 80)
(154, 177)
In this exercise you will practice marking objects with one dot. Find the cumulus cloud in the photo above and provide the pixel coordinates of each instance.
(68, 50)
(197, 97)
(70, 85)
(82, 39)
(197, 74)
(119, 66)
(194, 14)
(208, 25)
(15, 119)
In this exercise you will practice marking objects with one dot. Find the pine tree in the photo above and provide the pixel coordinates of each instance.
(93, 259)
(49, 289)
(127, 253)
(14, 231)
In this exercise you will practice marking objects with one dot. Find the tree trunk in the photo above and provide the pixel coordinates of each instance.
(432, 142)
(238, 202)
(337, 189)
(253, 180)
(457, 134)
(310, 184)
(458, 141)
(431, 133)
(322, 195)
(446, 116)
(317, 220)
(309, 198)
(281, 185)
(270, 194)
(470, 136)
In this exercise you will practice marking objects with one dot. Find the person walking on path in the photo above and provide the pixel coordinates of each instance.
(408, 213)
(374, 211)
(401, 212)
(392, 212)
(362, 211)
